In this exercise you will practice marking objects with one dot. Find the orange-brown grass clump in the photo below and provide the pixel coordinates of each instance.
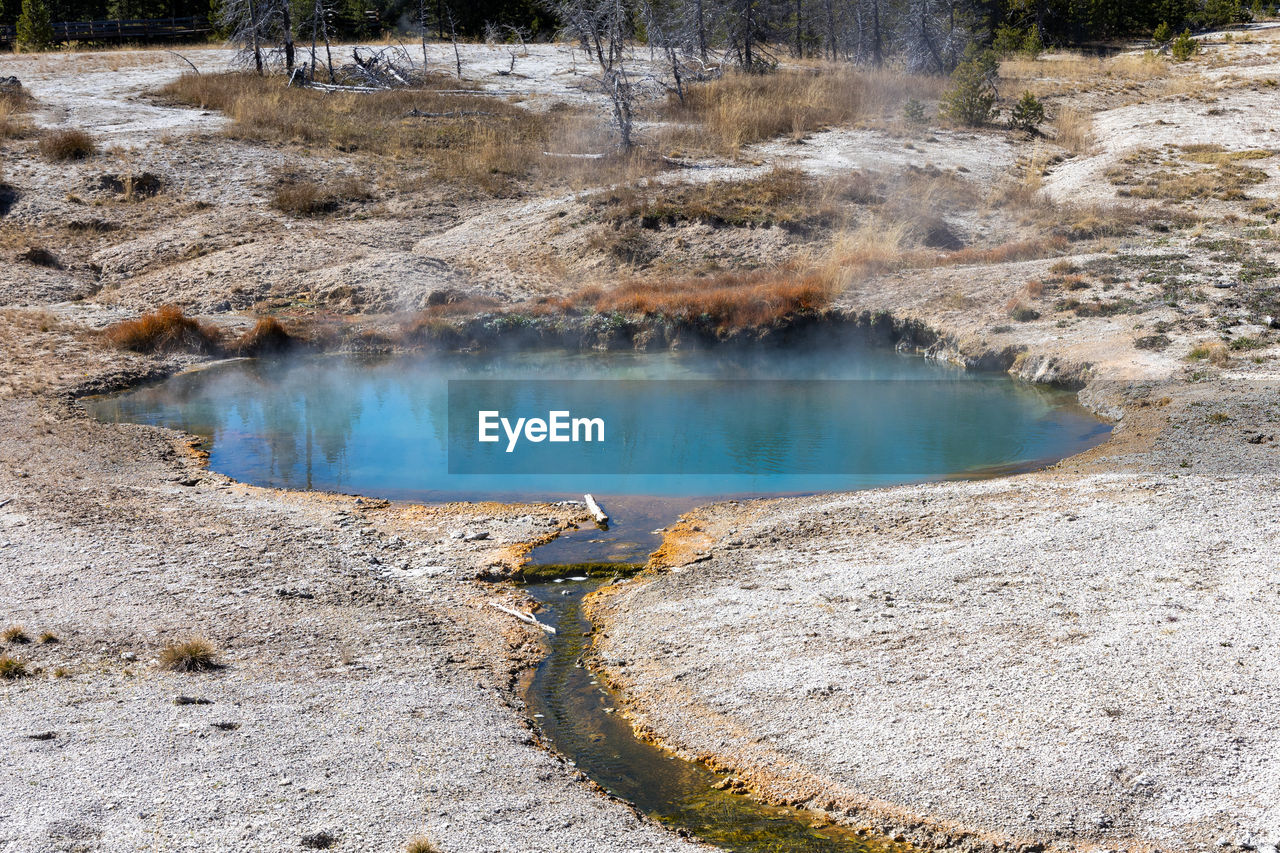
(460, 139)
(60, 146)
(731, 300)
(267, 336)
(167, 330)
(738, 109)
(191, 655)
(15, 634)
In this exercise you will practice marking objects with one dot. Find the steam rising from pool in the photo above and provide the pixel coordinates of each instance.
(697, 424)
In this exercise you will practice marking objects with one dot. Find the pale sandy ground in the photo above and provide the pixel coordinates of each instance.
(1027, 685)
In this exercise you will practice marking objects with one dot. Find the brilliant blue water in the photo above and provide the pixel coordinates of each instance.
(706, 424)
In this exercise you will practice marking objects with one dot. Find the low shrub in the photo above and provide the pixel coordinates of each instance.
(972, 95)
(421, 845)
(190, 655)
(299, 197)
(166, 330)
(1027, 114)
(266, 337)
(60, 146)
(1184, 47)
(11, 668)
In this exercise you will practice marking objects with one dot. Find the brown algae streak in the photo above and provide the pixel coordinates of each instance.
(580, 716)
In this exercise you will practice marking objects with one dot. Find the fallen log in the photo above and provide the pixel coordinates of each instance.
(523, 617)
(596, 512)
(417, 113)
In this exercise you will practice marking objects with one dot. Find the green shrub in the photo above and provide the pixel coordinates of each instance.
(1163, 33)
(35, 32)
(972, 95)
(913, 110)
(1184, 47)
(1027, 113)
(1008, 40)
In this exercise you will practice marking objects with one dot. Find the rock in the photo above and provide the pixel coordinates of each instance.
(128, 656)
(475, 535)
(225, 725)
(42, 735)
(191, 700)
(319, 840)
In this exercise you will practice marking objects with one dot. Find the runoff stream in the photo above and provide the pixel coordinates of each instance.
(679, 429)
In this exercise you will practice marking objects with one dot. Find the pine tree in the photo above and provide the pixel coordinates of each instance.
(34, 30)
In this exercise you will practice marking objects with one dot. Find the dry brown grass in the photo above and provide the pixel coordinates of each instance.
(1214, 352)
(267, 337)
(724, 114)
(303, 197)
(731, 300)
(60, 146)
(781, 196)
(15, 634)
(191, 655)
(13, 104)
(12, 668)
(1073, 130)
(460, 139)
(1076, 69)
(421, 845)
(163, 331)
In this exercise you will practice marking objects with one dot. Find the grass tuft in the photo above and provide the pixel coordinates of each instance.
(12, 668)
(190, 655)
(166, 330)
(421, 845)
(60, 146)
(47, 638)
(268, 336)
(15, 634)
(300, 197)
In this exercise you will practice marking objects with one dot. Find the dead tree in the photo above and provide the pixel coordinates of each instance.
(318, 25)
(602, 27)
(254, 23)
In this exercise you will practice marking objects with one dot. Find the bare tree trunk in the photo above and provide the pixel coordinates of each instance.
(286, 24)
(422, 25)
(799, 29)
(877, 58)
(257, 47)
(830, 9)
(453, 37)
(701, 24)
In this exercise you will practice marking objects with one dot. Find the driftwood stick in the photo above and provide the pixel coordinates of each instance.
(596, 512)
(523, 617)
(184, 59)
(417, 113)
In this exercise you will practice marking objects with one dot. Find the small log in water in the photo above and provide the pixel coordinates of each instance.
(523, 617)
(596, 512)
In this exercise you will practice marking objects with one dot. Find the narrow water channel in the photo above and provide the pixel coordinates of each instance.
(582, 718)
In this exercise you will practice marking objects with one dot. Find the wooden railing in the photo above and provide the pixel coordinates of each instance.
(140, 29)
